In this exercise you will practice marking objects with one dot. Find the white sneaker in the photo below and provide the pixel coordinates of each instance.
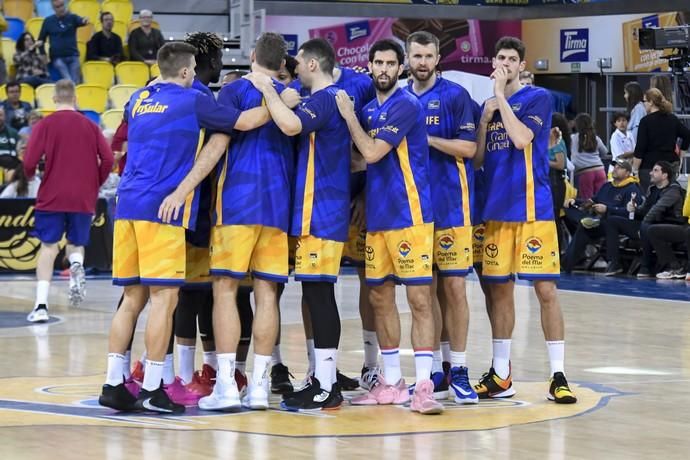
(77, 284)
(225, 397)
(305, 381)
(370, 376)
(39, 314)
(256, 397)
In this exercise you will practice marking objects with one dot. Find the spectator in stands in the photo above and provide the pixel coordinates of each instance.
(288, 71)
(144, 41)
(657, 136)
(8, 136)
(68, 141)
(663, 205)
(105, 45)
(19, 186)
(3, 66)
(61, 30)
(232, 76)
(527, 78)
(663, 84)
(632, 91)
(31, 61)
(622, 141)
(557, 163)
(34, 117)
(611, 200)
(586, 152)
(16, 110)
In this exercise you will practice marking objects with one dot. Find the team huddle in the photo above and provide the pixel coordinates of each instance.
(415, 186)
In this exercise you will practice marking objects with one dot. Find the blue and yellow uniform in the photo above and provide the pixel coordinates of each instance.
(520, 236)
(252, 210)
(399, 213)
(164, 138)
(478, 226)
(450, 114)
(322, 191)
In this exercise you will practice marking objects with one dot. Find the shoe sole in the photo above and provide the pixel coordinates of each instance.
(441, 394)
(282, 391)
(38, 321)
(565, 400)
(105, 403)
(457, 400)
(509, 393)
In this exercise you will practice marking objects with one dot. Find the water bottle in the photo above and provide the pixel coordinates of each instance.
(631, 214)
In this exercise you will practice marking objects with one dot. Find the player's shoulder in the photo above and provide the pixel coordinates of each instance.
(404, 98)
(535, 93)
(452, 89)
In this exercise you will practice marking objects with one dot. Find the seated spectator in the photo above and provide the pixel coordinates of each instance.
(16, 110)
(591, 215)
(61, 30)
(663, 205)
(232, 76)
(34, 117)
(587, 151)
(19, 187)
(622, 142)
(8, 136)
(3, 66)
(29, 60)
(105, 45)
(144, 41)
(657, 136)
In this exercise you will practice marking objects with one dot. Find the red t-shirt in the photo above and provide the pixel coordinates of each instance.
(77, 162)
(119, 139)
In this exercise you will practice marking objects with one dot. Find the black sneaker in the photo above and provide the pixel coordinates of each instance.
(117, 397)
(644, 273)
(613, 269)
(313, 398)
(157, 401)
(280, 379)
(446, 368)
(559, 391)
(345, 382)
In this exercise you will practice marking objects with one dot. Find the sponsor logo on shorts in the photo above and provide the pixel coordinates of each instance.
(534, 244)
(491, 250)
(369, 253)
(446, 242)
(404, 248)
(478, 234)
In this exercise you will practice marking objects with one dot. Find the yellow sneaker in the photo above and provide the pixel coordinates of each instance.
(493, 386)
(559, 391)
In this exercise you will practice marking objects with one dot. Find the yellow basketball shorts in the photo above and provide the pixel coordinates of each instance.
(238, 249)
(198, 266)
(478, 244)
(453, 251)
(148, 253)
(526, 249)
(353, 252)
(317, 259)
(403, 255)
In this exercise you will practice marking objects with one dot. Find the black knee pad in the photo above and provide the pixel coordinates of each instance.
(186, 313)
(206, 316)
(325, 320)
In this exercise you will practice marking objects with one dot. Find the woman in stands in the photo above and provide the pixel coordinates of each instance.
(632, 91)
(587, 151)
(31, 64)
(19, 187)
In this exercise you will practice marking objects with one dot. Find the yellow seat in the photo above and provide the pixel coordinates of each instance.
(134, 23)
(120, 29)
(99, 73)
(91, 97)
(44, 96)
(119, 95)
(33, 26)
(85, 8)
(111, 119)
(22, 9)
(155, 70)
(8, 49)
(84, 33)
(81, 46)
(45, 112)
(132, 73)
(121, 11)
(26, 93)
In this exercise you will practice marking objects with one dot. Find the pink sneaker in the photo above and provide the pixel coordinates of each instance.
(181, 394)
(382, 393)
(423, 399)
(133, 387)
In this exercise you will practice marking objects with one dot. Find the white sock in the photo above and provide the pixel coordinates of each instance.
(445, 351)
(501, 355)
(458, 359)
(310, 354)
(116, 369)
(371, 348)
(185, 362)
(211, 359)
(423, 360)
(325, 367)
(391, 365)
(241, 366)
(127, 370)
(153, 373)
(42, 290)
(143, 357)
(262, 364)
(556, 350)
(76, 257)
(226, 367)
(334, 371)
(169, 369)
(437, 363)
(275, 356)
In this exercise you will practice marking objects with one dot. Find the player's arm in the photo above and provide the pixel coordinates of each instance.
(454, 147)
(207, 159)
(252, 119)
(287, 121)
(371, 149)
(463, 143)
(490, 107)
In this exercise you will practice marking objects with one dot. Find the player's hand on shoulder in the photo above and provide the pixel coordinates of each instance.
(345, 104)
(290, 97)
(261, 81)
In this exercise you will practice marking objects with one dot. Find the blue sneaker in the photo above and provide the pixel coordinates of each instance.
(460, 384)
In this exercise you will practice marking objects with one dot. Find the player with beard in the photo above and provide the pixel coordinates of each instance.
(452, 144)
(391, 135)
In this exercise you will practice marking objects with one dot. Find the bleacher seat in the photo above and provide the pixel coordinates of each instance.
(81, 46)
(91, 97)
(133, 24)
(33, 26)
(8, 49)
(120, 94)
(86, 8)
(99, 73)
(93, 116)
(44, 96)
(26, 93)
(155, 70)
(23, 9)
(111, 119)
(121, 10)
(15, 27)
(132, 73)
(84, 33)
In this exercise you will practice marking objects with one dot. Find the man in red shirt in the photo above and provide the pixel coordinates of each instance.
(77, 162)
